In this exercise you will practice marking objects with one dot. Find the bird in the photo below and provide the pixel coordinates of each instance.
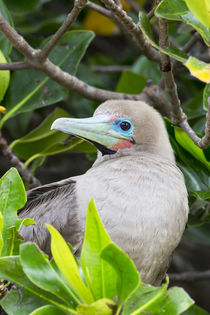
(139, 191)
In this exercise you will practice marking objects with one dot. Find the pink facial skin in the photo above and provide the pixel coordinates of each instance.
(121, 145)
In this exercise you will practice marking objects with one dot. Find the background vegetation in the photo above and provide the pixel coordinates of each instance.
(116, 62)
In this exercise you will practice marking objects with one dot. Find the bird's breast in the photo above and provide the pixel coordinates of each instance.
(142, 202)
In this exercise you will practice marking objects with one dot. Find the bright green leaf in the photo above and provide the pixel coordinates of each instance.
(11, 270)
(177, 10)
(128, 276)
(100, 307)
(206, 95)
(131, 82)
(195, 310)
(4, 78)
(184, 140)
(12, 198)
(41, 273)
(67, 265)
(1, 230)
(99, 275)
(31, 89)
(201, 9)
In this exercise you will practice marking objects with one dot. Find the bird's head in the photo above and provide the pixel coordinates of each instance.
(118, 125)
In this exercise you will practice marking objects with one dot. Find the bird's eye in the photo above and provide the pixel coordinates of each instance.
(125, 125)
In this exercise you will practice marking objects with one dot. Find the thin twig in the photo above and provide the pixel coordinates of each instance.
(190, 276)
(14, 160)
(14, 66)
(178, 116)
(132, 29)
(100, 9)
(71, 17)
(166, 68)
(112, 68)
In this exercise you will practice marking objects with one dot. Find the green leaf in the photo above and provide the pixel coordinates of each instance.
(100, 307)
(40, 272)
(41, 137)
(67, 265)
(201, 9)
(5, 44)
(49, 310)
(147, 31)
(149, 68)
(177, 10)
(11, 270)
(42, 142)
(195, 310)
(31, 89)
(199, 69)
(23, 7)
(74, 144)
(184, 140)
(1, 236)
(131, 82)
(99, 275)
(21, 303)
(4, 78)
(128, 276)
(12, 198)
(157, 301)
(206, 95)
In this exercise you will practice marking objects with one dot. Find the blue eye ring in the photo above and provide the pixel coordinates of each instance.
(125, 125)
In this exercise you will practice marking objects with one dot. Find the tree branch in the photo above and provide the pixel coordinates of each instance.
(14, 66)
(132, 29)
(112, 68)
(178, 116)
(190, 276)
(14, 160)
(71, 17)
(100, 9)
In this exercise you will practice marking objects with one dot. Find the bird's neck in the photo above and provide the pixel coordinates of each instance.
(165, 152)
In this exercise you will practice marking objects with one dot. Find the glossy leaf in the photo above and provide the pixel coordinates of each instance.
(40, 272)
(99, 275)
(100, 307)
(5, 44)
(206, 95)
(1, 233)
(131, 82)
(31, 89)
(177, 10)
(12, 198)
(128, 276)
(201, 9)
(157, 301)
(149, 68)
(67, 265)
(11, 270)
(184, 140)
(4, 77)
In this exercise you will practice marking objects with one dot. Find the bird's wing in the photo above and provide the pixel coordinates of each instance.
(53, 204)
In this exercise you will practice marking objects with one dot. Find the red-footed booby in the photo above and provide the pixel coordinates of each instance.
(139, 192)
